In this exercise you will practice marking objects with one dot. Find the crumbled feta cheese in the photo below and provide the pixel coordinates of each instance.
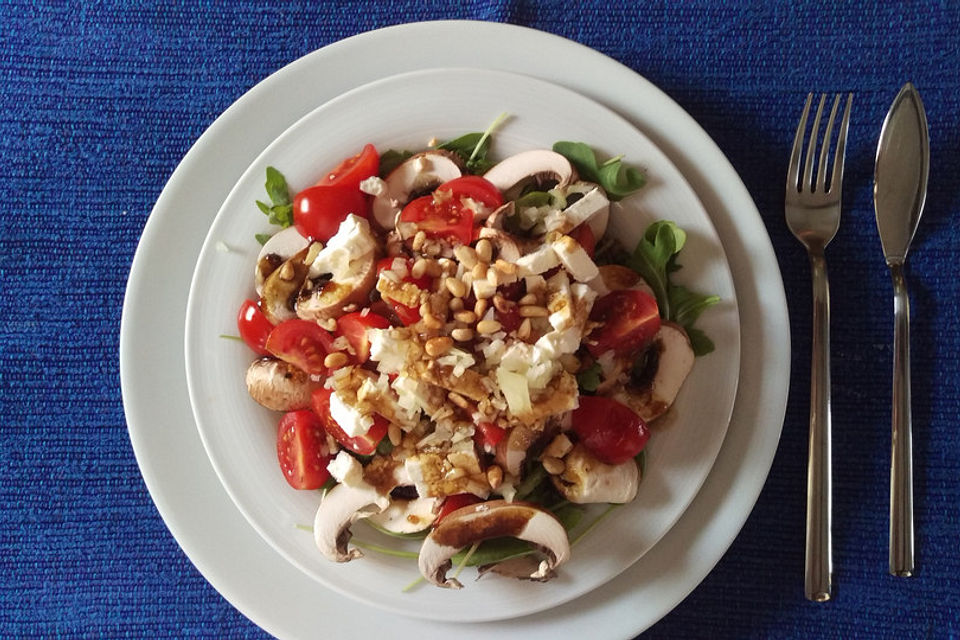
(515, 390)
(579, 212)
(493, 351)
(351, 420)
(483, 289)
(543, 259)
(459, 359)
(374, 185)
(389, 348)
(353, 234)
(347, 251)
(346, 469)
(410, 394)
(534, 283)
(575, 259)
(558, 343)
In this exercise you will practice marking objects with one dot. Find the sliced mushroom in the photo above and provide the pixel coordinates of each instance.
(670, 358)
(321, 298)
(586, 479)
(341, 507)
(275, 251)
(493, 519)
(420, 173)
(279, 385)
(278, 296)
(527, 567)
(537, 165)
(407, 516)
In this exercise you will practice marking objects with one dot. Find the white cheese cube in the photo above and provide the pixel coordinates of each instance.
(541, 260)
(592, 203)
(575, 259)
(346, 469)
(353, 422)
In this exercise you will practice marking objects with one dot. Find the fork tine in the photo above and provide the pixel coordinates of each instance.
(837, 178)
(821, 186)
(793, 170)
(812, 146)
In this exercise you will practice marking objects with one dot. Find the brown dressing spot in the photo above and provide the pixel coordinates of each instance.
(379, 473)
(495, 523)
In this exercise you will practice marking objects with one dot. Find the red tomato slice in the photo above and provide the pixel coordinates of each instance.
(610, 430)
(630, 321)
(302, 450)
(584, 235)
(354, 170)
(454, 502)
(301, 343)
(319, 210)
(407, 315)
(488, 434)
(254, 327)
(440, 218)
(353, 326)
(364, 444)
(474, 187)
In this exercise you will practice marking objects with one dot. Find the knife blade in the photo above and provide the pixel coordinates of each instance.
(900, 190)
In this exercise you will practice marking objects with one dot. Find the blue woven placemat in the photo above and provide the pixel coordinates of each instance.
(98, 102)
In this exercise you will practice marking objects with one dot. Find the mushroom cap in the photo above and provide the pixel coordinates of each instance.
(586, 479)
(533, 164)
(421, 172)
(674, 362)
(279, 385)
(493, 519)
(341, 507)
(331, 299)
(278, 249)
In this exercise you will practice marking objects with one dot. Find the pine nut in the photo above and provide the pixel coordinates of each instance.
(395, 434)
(438, 346)
(523, 331)
(455, 474)
(553, 466)
(458, 400)
(315, 248)
(456, 305)
(570, 363)
(466, 255)
(494, 476)
(433, 268)
(505, 267)
(479, 271)
(456, 287)
(466, 317)
(431, 321)
(480, 307)
(485, 250)
(419, 268)
(493, 277)
(419, 239)
(558, 447)
(286, 271)
(447, 266)
(533, 311)
(335, 360)
(487, 327)
(462, 334)
(433, 249)
(530, 298)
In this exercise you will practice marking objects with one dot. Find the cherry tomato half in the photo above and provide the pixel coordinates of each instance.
(254, 327)
(610, 430)
(454, 502)
(302, 450)
(364, 444)
(319, 210)
(301, 343)
(474, 187)
(353, 326)
(440, 218)
(488, 434)
(630, 320)
(354, 170)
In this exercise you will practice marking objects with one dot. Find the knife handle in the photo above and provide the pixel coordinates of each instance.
(901, 454)
(819, 561)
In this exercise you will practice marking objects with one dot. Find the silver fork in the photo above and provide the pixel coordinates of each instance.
(813, 216)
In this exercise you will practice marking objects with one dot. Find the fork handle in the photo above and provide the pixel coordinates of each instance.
(901, 458)
(819, 561)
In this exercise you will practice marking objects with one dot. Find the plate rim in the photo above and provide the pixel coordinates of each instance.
(302, 128)
(734, 190)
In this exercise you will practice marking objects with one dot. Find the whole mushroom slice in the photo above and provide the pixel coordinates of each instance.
(493, 519)
(585, 479)
(320, 299)
(279, 385)
(341, 507)
(417, 174)
(537, 165)
(275, 251)
(669, 361)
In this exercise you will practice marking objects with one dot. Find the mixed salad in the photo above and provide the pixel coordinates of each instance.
(460, 353)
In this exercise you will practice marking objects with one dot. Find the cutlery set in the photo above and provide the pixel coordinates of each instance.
(812, 207)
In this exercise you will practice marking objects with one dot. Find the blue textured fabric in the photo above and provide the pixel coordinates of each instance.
(83, 550)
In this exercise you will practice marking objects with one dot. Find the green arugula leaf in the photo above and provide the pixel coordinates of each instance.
(688, 305)
(699, 342)
(280, 211)
(589, 379)
(391, 159)
(618, 181)
(262, 238)
(276, 187)
(533, 199)
(473, 147)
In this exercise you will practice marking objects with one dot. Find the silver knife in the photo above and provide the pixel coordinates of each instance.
(899, 191)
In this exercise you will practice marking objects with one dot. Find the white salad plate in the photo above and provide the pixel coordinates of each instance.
(405, 111)
(231, 555)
